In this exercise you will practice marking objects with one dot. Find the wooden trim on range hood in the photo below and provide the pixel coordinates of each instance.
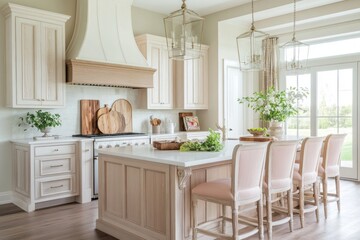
(82, 72)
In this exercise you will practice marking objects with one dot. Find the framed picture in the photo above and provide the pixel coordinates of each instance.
(181, 120)
(191, 123)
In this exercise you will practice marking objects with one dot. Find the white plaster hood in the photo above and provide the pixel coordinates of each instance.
(103, 51)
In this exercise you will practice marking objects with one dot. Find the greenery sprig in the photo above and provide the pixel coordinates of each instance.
(211, 144)
(273, 105)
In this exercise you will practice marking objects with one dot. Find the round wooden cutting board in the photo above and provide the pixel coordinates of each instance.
(112, 122)
(124, 107)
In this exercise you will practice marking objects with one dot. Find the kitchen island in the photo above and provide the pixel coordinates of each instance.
(145, 193)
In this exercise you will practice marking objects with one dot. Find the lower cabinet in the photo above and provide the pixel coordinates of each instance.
(45, 172)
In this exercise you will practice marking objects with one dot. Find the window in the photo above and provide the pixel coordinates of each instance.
(331, 106)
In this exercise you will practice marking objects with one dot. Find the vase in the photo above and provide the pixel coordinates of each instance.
(45, 131)
(276, 129)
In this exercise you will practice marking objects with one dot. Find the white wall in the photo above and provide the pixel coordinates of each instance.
(143, 21)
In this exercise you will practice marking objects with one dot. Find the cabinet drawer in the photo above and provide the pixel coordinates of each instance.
(52, 187)
(57, 149)
(64, 164)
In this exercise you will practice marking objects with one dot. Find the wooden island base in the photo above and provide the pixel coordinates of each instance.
(140, 199)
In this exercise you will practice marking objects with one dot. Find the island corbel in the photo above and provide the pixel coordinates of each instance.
(183, 176)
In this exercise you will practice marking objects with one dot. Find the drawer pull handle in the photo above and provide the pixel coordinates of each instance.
(56, 150)
(57, 186)
(87, 150)
(60, 165)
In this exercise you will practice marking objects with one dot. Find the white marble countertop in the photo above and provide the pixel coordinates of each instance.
(174, 157)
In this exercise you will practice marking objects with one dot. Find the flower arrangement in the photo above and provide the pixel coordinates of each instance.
(276, 105)
(41, 120)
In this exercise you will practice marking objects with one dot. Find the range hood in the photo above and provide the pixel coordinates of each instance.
(103, 51)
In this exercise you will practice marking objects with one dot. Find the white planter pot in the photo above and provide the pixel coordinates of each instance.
(45, 131)
(276, 129)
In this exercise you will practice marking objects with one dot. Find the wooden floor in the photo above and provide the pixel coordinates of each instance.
(77, 221)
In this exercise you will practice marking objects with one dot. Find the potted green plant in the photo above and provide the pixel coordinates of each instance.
(276, 106)
(41, 120)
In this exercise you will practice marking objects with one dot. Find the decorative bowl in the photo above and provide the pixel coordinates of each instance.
(257, 132)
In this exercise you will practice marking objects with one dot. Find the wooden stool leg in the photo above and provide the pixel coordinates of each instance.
(325, 192)
(223, 218)
(316, 199)
(194, 209)
(235, 222)
(269, 215)
(337, 184)
(260, 218)
(301, 205)
(290, 209)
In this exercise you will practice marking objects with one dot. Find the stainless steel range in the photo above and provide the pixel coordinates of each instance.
(110, 141)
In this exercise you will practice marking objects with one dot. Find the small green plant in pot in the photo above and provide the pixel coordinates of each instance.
(41, 120)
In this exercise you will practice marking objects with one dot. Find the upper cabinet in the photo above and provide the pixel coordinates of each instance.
(35, 57)
(154, 50)
(191, 77)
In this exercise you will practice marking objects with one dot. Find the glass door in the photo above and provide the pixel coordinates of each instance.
(336, 110)
(330, 108)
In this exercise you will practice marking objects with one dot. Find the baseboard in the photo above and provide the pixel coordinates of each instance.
(22, 202)
(56, 202)
(5, 197)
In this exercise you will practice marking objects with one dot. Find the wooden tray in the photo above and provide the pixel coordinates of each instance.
(167, 145)
(256, 139)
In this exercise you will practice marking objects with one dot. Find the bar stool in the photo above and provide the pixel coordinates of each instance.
(244, 187)
(330, 167)
(305, 176)
(279, 166)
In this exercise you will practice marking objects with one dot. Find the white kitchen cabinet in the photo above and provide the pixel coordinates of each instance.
(46, 172)
(191, 77)
(155, 51)
(35, 57)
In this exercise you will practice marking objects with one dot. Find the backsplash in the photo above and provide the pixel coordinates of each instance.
(70, 115)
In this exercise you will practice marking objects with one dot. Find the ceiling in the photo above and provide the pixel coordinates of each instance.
(272, 16)
(202, 7)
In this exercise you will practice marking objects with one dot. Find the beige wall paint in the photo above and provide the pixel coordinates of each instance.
(216, 35)
(143, 22)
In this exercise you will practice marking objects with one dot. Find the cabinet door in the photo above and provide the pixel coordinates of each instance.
(52, 60)
(161, 96)
(28, 62)
(196, 83)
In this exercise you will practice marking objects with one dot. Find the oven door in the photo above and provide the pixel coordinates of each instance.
(96, 178)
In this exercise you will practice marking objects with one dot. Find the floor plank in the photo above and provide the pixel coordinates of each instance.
(77, 221)
(6, 209)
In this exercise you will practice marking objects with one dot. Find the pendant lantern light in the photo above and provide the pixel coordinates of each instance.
(183, 31)
(295, 53)
(250, 47)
